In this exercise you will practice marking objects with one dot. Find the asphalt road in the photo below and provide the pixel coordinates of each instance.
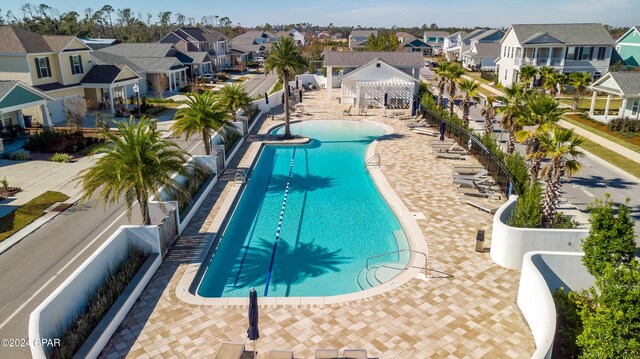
(32, 269)
(260, 84)
(596, 178)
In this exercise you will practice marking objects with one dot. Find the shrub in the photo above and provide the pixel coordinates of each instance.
(527, 213)
(223, 76)
(4, 183)
(199, 174)
(568, 324)
(611, 239)
(519, 172)
(625, 124)
(251, 111)
(61, 157)
(159, 100)
(20, 156)
(563, 221)
(490, 141)
(230, 139)
(102, 122)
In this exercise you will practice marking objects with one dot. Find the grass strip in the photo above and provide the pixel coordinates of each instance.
(632, 143)
(29, 212)
(612, 157)
(99, 303)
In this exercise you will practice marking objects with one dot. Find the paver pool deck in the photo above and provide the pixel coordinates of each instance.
(471, 315)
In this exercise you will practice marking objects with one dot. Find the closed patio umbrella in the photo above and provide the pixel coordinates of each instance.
(297, 86)
(413, 107)
(282, 97)
(300, 96)
(386, 100)
(253, 333)
(442, 131)
(266, 98)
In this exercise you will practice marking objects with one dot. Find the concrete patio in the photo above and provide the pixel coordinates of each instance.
(471, 315)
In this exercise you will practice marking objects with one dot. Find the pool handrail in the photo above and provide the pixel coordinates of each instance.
(426, 258)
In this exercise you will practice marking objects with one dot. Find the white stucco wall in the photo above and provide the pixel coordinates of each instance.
(543, 273)
(507, 64)
(509, 244)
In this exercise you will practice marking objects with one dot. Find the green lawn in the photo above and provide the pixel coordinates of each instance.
(28, 213)
(632, 143)
(585, 104)
(612, 157)
(476, 76)
(276, 87)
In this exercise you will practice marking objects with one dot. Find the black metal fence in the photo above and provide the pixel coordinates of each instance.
(477, 149)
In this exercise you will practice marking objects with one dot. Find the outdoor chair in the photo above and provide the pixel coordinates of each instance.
(451, 156)
(467, 170)
(471, 183)
(281, 354)
(426, 132)
(326, 354)
(419, 123)
(355, 354)
(230, 350)
(477, 176)
(347, 111)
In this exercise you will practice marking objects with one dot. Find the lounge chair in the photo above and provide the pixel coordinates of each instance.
(480, 191)
(230, 350)
(355, 354)
(419, 123)
(426, 132)
(467, 170)
(281, 354)
(347, 112)
(476, 176)
(326, 354)
(472, 183)
(451, 156)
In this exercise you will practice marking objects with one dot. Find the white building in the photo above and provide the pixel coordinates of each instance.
(565, 47)
(370, 75)
(625, 85)
(297, 36)
(452, 44)
(481, 51)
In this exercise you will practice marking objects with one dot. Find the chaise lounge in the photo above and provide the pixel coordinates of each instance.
(230, 350)
(355, 354)
(326, 354)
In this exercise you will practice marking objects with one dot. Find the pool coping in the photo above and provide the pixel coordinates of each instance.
(413, 234)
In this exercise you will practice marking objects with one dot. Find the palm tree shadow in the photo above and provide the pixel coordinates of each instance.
(601, 182)
(292, 265)
(300, 183)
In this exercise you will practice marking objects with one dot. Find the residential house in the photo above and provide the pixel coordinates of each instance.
(53, 65)
(628, 47)
(194, 39)
(452, 44)
(484, 50)
(464, 44)
(404, 37)
(625, 85)
(435, 39)
(97, 44)
(566, 48)
(417, 45)
(297, 36)
(357, 38)
(371, 76)
(323, 35)
(21, 105)
(252, 44)
(148, 61)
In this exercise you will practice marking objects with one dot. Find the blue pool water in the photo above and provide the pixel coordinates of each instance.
(333, 220)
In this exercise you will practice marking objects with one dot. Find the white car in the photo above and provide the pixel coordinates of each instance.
(259, 60)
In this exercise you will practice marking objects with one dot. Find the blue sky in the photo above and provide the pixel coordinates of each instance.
(378, 13)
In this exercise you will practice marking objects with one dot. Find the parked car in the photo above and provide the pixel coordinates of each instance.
(209, 78)
(259, 60)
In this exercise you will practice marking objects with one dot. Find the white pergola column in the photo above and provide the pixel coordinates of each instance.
(126, 100)
(113, 109)
(170, 77)
(606, 108)
(329, 81)
(623, 106)
(46, 118)
(594, 97)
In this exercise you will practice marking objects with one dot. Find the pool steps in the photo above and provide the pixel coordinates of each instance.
(385, 271)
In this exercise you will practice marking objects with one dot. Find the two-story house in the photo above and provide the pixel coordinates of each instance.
(252, 44)
(564, 47)
(452, 43)
(297, 36)
(192, 39)
(628, 47)
(483, 51)
(357, 38)
(435, 39)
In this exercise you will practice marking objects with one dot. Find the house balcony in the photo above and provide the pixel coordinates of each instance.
(552, 61)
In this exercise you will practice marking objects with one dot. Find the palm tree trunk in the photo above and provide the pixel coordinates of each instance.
(549, 203)
(511, 144)
(144, 207)
(440, 95)
(452, 94)
(206, 139)
(488, 125)
(285, 88)
(465, 114)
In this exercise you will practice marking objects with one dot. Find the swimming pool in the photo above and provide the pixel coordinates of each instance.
(334, 219)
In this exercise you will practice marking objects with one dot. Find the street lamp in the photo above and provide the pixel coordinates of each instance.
(136, 89)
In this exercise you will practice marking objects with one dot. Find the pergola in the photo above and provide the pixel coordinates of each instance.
(371, 93)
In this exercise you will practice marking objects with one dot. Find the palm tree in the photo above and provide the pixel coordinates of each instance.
(528, 74)
(579, 81)
(453, 73)
(134, 165)
(554, 82)
(234, 97)
(489, 113)
(544, 72)
(470, 89)
(442, 80)
(286, 60)
(542, 112)
(560, 147)
(513, 100)
(203, 114)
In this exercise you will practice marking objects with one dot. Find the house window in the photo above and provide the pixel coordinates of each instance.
(43, 69)
(76, 64)
(571, 53)
(634, 106)
(587, 53)
(601, 52)
(378, 64)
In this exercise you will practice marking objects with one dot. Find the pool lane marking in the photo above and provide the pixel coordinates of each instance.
(284, 205)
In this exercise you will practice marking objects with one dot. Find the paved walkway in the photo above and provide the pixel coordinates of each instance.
(470, 315)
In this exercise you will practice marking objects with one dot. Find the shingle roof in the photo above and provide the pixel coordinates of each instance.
(252, 35)
(18, 41)
(5, 86)
(416, 43)
(628, 81)
(104, 58)
(102, 74)
(200, 34)
(486, 49)
(359, 58)
(571, 34)
(462, 34)
(472, 35)
(436, 34)
(54, 86)
(139, 50)
(363, 33)
(482, 36)
(193, 57)
(139, 65)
